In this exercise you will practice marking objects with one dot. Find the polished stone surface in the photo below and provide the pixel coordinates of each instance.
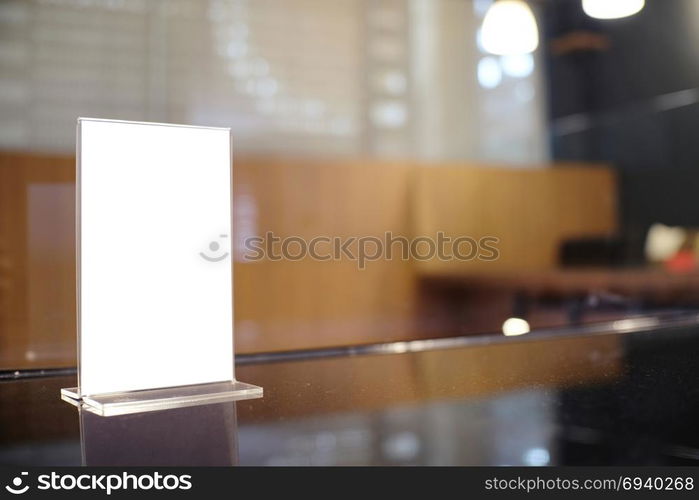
(595, 397)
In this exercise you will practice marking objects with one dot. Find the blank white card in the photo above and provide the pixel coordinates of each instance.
(154, 265)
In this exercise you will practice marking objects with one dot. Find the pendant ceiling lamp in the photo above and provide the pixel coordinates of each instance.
(612, 9)
(509, 27)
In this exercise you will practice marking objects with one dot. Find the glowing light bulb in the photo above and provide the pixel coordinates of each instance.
(515, 326)
(489, 72)
(509, 27)
(612, 9)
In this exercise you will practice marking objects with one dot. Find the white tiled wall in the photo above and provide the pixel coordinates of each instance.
(284, 74)
(331, 77)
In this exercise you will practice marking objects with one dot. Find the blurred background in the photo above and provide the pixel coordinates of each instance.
(564, 128)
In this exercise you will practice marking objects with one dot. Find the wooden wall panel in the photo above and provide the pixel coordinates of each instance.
(290, 305)
(278, 305)
(37, 326)
(530, 210)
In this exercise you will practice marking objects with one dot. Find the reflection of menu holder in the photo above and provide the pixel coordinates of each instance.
(204, 436)
(155, 330)
(120, 403)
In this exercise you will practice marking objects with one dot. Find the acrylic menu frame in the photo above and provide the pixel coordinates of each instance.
(121, 391)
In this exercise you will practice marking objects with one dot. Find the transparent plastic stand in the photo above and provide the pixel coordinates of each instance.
(205, 436)
(121, 403)
(155, 332)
